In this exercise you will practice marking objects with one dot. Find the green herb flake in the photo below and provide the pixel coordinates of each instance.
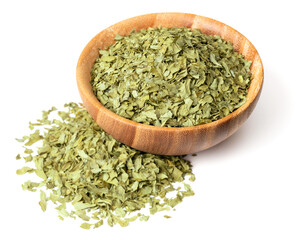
(30, 186)
(25, 170)
(144, 218)
(86, 225)
(43, 201)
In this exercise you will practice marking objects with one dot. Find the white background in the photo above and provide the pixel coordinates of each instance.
(246, 187)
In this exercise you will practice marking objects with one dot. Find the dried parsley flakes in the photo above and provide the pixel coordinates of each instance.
(172, 77)
(90, 175)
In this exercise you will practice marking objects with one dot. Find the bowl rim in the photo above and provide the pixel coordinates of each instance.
(94, 101)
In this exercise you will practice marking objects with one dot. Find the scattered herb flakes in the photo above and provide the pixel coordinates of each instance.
(98, 178)
(174, 77)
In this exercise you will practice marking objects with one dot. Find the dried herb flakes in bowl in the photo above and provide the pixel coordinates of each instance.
(91, 176)
(172, 77)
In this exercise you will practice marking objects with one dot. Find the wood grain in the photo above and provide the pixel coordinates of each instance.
(165, 140)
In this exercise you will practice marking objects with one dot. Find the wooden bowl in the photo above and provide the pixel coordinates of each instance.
(167, 140)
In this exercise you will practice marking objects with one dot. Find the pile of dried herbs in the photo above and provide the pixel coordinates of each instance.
(172, 77)
(83, 168)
